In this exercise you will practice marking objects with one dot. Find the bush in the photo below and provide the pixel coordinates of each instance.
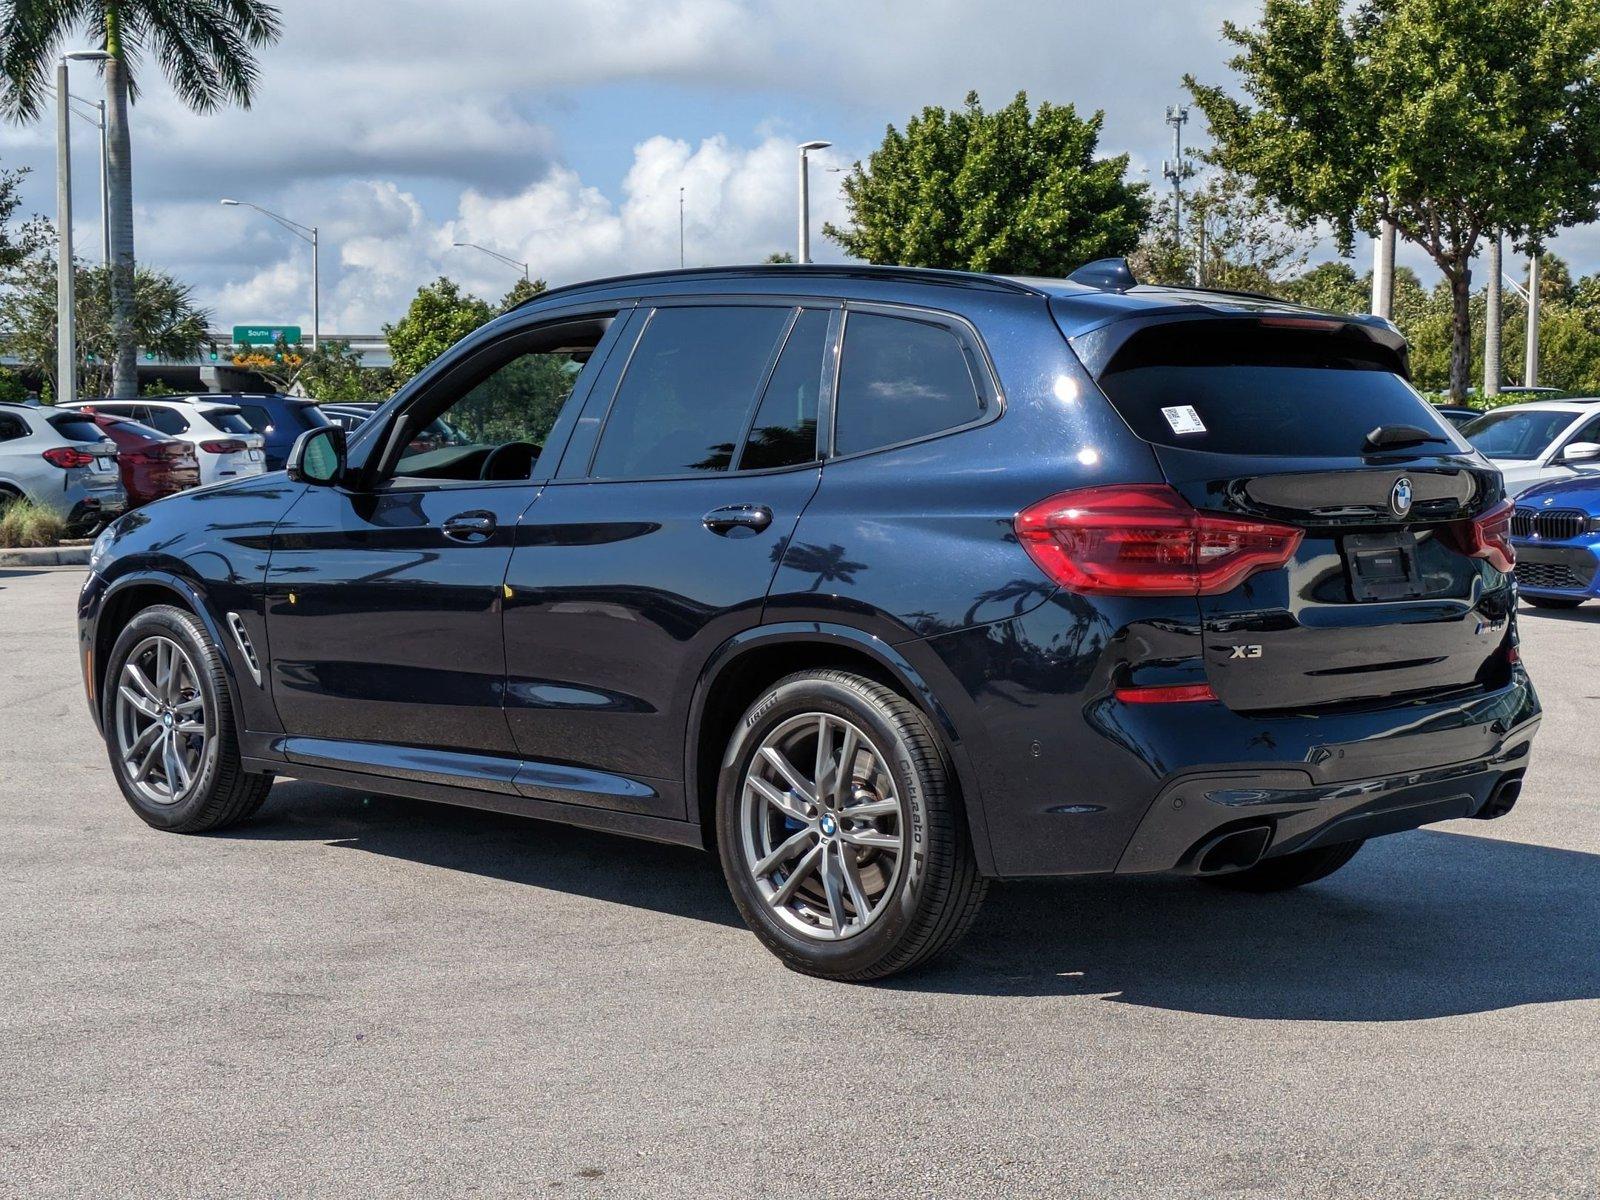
(24, 523)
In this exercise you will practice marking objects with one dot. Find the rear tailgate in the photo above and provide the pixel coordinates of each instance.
(1388, 594)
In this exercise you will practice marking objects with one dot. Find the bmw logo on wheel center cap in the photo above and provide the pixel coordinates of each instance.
(828, 825)
(1400, 496)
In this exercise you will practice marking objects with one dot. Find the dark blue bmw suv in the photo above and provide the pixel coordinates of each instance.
(881, 583)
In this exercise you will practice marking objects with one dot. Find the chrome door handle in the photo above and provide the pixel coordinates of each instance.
(470, 526)
(754, 517)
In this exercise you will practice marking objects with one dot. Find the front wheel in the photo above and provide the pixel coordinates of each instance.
(839, 829)
(170, 726)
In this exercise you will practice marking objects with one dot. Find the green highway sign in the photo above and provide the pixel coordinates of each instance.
(265, 335)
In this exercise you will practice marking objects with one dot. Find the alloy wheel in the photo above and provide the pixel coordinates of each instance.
(823, 830)
(161, 723)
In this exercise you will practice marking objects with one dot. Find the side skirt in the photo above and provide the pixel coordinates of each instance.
(655, 829)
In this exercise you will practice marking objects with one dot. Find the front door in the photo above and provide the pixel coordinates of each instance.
(655, 543)
(384, 599)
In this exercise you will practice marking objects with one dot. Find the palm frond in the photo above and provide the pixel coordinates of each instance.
(32, 34)
(204, 47)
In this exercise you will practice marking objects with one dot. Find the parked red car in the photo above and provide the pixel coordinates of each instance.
(153, 465)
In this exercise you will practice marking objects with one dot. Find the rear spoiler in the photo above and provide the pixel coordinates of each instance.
(1372, 338)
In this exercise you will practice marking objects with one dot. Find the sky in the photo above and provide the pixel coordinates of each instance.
(560, 132)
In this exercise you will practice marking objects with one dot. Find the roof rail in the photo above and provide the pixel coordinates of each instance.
(932, 275)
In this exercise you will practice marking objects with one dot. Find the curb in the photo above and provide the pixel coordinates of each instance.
(45, 556)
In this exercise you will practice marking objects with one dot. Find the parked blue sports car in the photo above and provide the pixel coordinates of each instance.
(1556, 530)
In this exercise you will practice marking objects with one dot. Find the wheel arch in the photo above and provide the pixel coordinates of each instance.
(130, 595)
(751, 661)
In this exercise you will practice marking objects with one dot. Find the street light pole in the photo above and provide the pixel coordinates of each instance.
(66, 314)
(680, 228)
(66, 324)
(505, 258)
(306, 233)
(804, 241)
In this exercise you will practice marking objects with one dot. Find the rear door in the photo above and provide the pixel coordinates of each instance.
(656, 542)
(1383, 597)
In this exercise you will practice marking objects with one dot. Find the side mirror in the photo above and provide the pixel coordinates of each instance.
(1581, 452)
(318, 457)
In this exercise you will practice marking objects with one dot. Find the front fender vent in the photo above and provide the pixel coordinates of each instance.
(242, 639)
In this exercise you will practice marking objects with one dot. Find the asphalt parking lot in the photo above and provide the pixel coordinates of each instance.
(358, 995)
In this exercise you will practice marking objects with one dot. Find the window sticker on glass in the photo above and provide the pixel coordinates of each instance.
(1184, 419)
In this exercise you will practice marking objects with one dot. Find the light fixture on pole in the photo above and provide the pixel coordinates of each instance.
(66, 316)
(306, 233)
(804, 247)
(505, 258)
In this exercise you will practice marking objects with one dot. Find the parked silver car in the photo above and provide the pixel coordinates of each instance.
(59, 458)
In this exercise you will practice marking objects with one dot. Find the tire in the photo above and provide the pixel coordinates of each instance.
(1289, 870)
(1551, 602)
(894, 908)
(213, 791)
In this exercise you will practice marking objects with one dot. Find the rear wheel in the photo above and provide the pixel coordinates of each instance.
(840, 832)
(1551, 602)
(170, 727)
(1288, 870)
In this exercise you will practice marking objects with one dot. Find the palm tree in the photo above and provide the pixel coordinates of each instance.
(205, 48)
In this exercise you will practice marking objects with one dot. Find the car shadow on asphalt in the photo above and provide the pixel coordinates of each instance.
(1585, 614)
(1419, 925)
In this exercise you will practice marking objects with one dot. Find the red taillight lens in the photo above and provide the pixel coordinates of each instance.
(1186, 693)
(1146, 540)
(224, 446)
(1488, 536)
(66, 457)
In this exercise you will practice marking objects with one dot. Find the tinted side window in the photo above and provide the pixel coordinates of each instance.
(228, 422)
(901, 379)
(11, 427)
(688, 391)
(784, 432)
(165, 419)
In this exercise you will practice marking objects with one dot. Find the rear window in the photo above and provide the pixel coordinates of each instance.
(256, 417)
(1286, 394)
(229, 421)
(77, 429)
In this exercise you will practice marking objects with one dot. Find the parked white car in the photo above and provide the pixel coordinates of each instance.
(1539, 442)
(223, 441)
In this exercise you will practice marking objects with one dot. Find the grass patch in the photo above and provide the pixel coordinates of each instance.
(24, 523)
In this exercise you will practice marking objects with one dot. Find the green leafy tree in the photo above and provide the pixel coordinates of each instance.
(333, 372)
(166, 321)
(439, 316)
(330, 372)
(778, 257)
(1016, 191)
(521, 292)
(1240, 240)
(17, 243)
(12, 389)
(1448, 117)
(205, 48)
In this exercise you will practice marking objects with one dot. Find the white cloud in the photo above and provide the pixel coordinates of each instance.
(379, 244)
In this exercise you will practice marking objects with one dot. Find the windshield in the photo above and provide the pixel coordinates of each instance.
(1519, 436)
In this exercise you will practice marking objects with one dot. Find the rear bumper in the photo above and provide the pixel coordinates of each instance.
(1193, 815)
(1447, 762)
